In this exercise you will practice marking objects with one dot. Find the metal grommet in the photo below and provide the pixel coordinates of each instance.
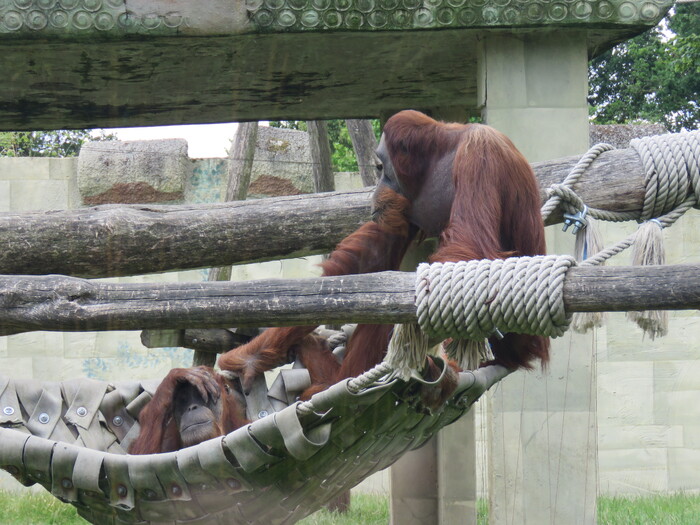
(66, 483)
(122, 491)
(82, 411)
(233, 483)
(44, 418)
(8, 411)
(117, 421)
(262, 414)
(150, 494)
(176, 490)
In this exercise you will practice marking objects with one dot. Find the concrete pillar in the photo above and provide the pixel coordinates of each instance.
(542, 425)
(436, 484)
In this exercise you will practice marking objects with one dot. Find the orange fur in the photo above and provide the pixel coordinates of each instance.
(495, 211)
(159, 432)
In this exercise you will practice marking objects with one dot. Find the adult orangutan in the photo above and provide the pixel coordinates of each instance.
(190, 405)
(466, 184)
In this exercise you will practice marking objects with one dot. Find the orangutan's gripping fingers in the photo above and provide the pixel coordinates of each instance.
(435, 395)
(203, 381)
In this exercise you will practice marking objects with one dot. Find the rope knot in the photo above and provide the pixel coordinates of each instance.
(472, 299)
(672, 166)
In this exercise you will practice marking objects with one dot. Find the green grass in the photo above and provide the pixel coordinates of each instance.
(676, 509)
(34, 508)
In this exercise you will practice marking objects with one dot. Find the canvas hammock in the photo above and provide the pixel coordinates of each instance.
(71, 437)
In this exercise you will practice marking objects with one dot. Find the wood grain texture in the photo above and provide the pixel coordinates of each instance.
(112, 240)
(61, 303)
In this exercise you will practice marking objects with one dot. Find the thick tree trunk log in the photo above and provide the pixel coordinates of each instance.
(240, 169)
(321, 167)
(70, 304)
(364, 143)
(128, 240)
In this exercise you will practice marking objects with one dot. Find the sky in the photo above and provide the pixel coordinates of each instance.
(204, 140)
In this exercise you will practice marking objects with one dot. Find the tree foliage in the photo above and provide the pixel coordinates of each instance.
(342, 153)
(651, 77)
(56, 143)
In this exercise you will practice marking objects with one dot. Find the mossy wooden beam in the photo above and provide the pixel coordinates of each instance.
(112, 63)
(60, 303)
(112, 240)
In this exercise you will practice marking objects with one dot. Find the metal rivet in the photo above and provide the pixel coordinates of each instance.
(8, 411)
(176, 490)
(233, 483)
(66, 483)
(82, 411)
(121, 491)
(262, 414)
(117, 421)
(44, 418)
(150, 494)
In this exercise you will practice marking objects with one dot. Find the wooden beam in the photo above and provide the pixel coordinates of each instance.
(128, 240)
(61, 303)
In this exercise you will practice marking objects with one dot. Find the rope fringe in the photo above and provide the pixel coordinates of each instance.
(408, 349)
(648, 249)
(672, 181)
(588, 240)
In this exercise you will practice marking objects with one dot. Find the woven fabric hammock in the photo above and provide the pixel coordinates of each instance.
(71, 437)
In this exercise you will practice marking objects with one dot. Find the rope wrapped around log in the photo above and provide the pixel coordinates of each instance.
(473, 300)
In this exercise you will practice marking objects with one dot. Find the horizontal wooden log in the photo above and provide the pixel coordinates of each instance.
(210, 340)
(60, 303)
(128, 240)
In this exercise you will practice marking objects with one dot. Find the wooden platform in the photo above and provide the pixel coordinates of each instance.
(106, 63)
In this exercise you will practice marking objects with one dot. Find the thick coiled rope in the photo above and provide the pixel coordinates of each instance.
(672, 185)
(473, 299)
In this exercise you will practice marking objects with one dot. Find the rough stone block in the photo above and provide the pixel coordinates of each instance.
(282, 163)
(139, 171)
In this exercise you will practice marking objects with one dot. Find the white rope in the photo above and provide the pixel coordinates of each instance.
(672, 185)
(473, 299)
